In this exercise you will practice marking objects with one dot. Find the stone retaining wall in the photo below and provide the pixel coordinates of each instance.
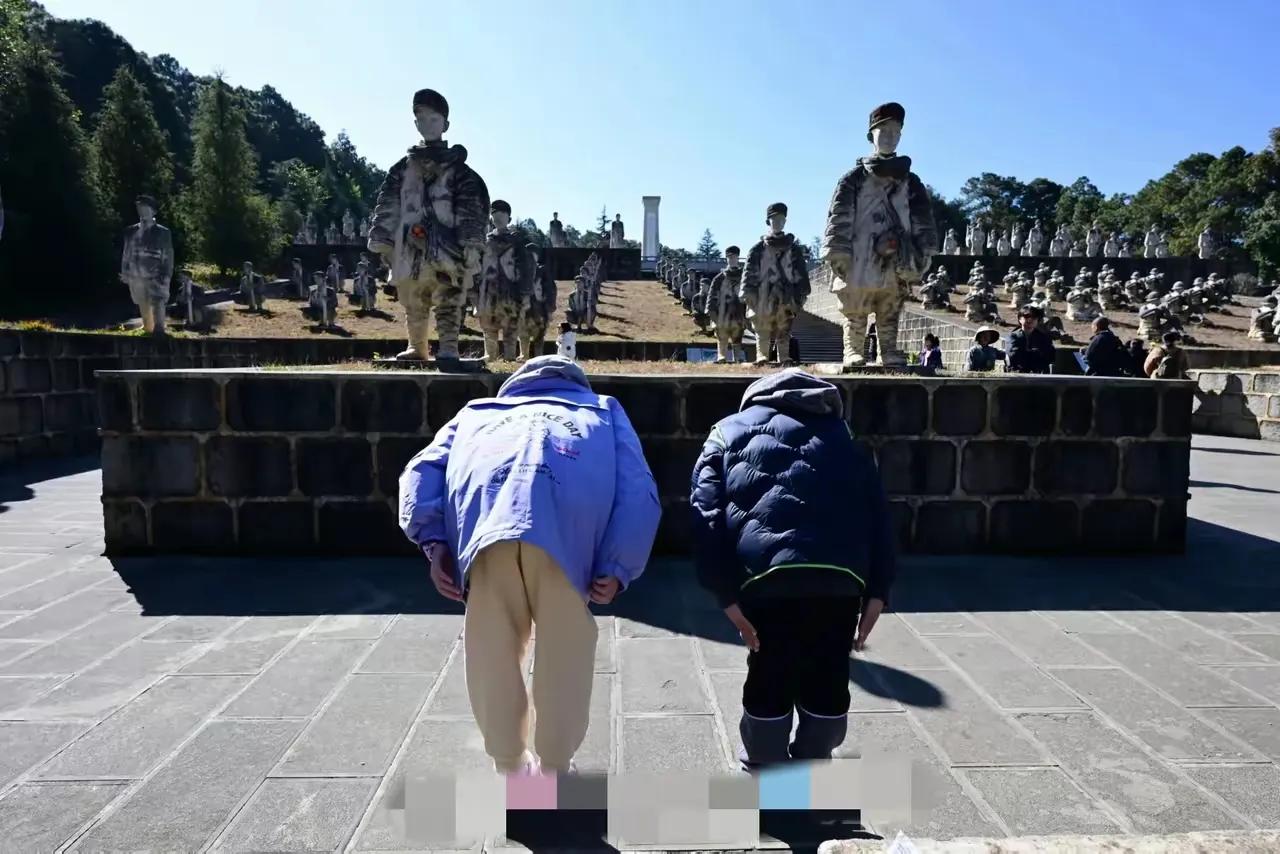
(243, 462)
(47, 378)
(1237, 403)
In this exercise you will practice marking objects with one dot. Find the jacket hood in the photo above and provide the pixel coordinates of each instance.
(794, 391)
(556, 368)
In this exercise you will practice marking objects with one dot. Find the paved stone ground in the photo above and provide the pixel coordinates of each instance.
(181, 705)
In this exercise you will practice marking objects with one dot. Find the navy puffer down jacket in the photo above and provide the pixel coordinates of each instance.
(786, 503)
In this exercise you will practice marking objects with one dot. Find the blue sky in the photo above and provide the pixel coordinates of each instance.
(721, 108)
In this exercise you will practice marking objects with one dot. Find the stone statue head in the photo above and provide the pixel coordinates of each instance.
(731, 254)
(430, 114)
(500, 214)
(617, 217)
(776, 216)
(147, 207)
(248, 267)
(555, 214)
(884, 128)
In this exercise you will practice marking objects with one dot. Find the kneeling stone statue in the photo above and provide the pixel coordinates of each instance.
(880, 237)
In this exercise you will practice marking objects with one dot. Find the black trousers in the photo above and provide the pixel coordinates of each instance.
(802, 666)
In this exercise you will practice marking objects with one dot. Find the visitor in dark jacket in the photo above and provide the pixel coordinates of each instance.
(793, 538)
(1030, 347)
(1106, 355)
(931, 352)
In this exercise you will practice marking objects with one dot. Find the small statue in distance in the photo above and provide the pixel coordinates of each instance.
(1081, 305)
(1035, 240)
(146, 265)
(1205, 244)
(977, 237)
(726, 309)
(1152, 240)
(933, 295)
(252, 286)
(950, 245)
(1060, 245)
(1057, 286)
(1004, 246)
(1077, 249)
(1093, 240)
(1162, 246)
(1021, 291)
(1153, 319)
(1017, 238)
(298, 278)
(555, 232)
(616, 233)
(1111, 249)
(365, 285)
(1125, 251)
(348, 227)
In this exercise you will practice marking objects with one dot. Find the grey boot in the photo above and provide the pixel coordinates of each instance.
(818, 735)
(764, 740)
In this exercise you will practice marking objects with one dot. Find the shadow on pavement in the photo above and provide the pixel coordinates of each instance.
(16, 481)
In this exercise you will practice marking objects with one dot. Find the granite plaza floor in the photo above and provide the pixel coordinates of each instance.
(181, 705)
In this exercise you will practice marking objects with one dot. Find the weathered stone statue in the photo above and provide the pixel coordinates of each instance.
(323, 300)
(726, 309)
(976, 237)
(1082, 306)
(977, 276)
(1110, 248)
(1060, 245)
(616, 232)
(331, 235)
(506, 281)
(1009, 278)
(879, 240)
(1035, 240)
(700, 316)
(538, 308)
(577, 312)
(1021, 291)
(252, 286)
(1077, 249)
(1111, 296)
(1041, 278)
(430, 225)
(1155, 282)
(1005, 245)
(1162, 246)
(555, 232)
(1017, 238)
(348, 227)
(1057, 286)
(298, 278)
(187, 298)
(993, 241)
(950, 245)
(689, 291)
(310, 229)
(1262, 321)
(933, 295)
(334, 274)
(775, 283)
(146, 265)
(1153, 319)
(365, 285)
(594, 278)
(365, 225)
(1125, 251)
(1093, 240)
(1084, 279)
(1152, 240)
(943, 278)
(1205, 244)
(980, 306)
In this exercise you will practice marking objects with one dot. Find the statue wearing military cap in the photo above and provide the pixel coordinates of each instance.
(506, 284)
(880, 238)
(725, 309)
(146, 264)
(430, 225)
(775, 285)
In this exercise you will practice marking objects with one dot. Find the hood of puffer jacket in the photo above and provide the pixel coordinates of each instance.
(794, 391)
(542, 373)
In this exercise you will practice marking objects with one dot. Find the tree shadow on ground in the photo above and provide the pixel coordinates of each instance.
(16, 481)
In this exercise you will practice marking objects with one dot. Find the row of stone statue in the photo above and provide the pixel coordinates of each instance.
(765, 295)
(311, 234)
(556, 233)
(980, 240)
(1160, 308)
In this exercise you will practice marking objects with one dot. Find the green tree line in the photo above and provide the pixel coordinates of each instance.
(87, 123)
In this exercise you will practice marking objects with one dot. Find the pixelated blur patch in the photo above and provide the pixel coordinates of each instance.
(583, 792)
(785, 787)
(733, 793)
(534, 792)
(674, 810)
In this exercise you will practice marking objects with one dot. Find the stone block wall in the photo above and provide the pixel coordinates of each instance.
(1237, 403)
(235, 462)
(47, 378)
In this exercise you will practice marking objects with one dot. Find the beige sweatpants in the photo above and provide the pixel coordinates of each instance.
(512, 586)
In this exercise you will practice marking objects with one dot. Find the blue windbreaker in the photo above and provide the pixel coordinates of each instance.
(547, 462)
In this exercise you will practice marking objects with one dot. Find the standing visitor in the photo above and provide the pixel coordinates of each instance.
(931, 355)
(793, 538)
(528, 505)
(1167, 361)
(983, 355)
(1030, 347)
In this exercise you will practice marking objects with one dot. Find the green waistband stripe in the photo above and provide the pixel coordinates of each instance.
(805, 566)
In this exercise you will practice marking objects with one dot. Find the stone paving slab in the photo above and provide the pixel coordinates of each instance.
(241, 705)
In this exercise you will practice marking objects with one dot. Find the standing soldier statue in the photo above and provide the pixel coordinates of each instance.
(879, 239)
(775, 285)
(538, 307)
(725, 308)
(616, 232)
(429, 224)
(298, 278)
(146, 265)
(505, 281)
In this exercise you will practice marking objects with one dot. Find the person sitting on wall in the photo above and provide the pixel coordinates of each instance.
(1137, 357)
(1106, 355)
(1167, 361)
(983, 355)
(1030, 347)
(931, 355)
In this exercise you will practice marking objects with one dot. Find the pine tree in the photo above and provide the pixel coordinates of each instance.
(229, 222)
(707, 247)
(131, 151)
(55, 250)
(602, 227)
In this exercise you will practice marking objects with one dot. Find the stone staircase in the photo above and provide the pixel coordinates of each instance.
(820, 340)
